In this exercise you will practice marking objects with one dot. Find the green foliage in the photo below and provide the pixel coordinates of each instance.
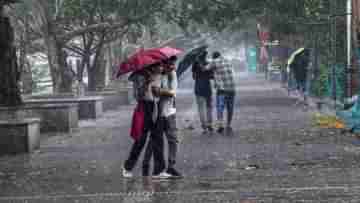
(163, 18)
(283, 16)
(339, 81)
(85, 9)
(324, 85)
(215, 14)
(110, 10)
(320, 86)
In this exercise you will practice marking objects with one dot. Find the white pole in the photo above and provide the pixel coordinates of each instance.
(349, 14)
(56, 7)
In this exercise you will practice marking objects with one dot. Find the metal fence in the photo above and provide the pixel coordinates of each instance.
(328, 75)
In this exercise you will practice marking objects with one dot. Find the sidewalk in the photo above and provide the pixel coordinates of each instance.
(274, 155)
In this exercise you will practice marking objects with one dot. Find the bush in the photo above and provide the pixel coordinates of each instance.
(320, 85)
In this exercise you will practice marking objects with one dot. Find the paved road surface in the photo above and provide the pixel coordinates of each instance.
(295, 161)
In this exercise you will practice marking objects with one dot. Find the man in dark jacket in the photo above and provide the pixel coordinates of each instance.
(300, 70)
(203, 91)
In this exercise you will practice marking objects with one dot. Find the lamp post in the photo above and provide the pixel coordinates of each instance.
(348, 46)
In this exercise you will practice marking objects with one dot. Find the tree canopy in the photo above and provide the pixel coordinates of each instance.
(85, 27)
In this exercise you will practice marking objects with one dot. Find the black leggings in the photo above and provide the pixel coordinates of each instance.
(138, 145)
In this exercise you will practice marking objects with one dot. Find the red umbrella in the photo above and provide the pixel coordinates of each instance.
(168, 51)
(146, 57)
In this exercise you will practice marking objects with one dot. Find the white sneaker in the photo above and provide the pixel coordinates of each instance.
(126, 173)
(162, 175)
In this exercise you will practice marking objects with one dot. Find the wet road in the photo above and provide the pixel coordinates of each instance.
(274, 155)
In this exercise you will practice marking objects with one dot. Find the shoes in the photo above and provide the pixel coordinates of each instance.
(205, 131)
(126, 173)
(220, 130)
(162, 175)
(174, 173)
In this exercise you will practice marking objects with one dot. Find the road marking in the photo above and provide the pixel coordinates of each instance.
(149, 194)
(315, 188)
(120, 194)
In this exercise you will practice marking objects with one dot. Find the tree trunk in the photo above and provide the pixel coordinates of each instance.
(66, 73)
(60, 74)
(53, 59)
(96, 72)
(82, 64)
(9, 72)
(96, 77)
(26, 75)
(80, 70)
(26, 79)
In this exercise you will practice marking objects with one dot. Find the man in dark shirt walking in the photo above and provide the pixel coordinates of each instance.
(203, 91)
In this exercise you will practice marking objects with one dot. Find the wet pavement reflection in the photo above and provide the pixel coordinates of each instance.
(273, 154)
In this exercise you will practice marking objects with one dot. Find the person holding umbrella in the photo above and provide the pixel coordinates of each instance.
(203, 91)
(297, 67)
(166, 123)
(143, 82)
(147, 66)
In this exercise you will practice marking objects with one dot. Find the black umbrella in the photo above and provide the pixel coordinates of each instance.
(189, 59)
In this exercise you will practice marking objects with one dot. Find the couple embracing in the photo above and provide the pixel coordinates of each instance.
(155, 90)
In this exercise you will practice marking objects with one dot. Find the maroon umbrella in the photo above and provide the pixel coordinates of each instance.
(144, 58)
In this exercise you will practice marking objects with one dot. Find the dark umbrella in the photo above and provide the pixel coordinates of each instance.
(189, 59)
(294, 54)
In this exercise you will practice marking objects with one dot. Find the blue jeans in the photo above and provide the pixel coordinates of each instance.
(205, 108)
(225, 100)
